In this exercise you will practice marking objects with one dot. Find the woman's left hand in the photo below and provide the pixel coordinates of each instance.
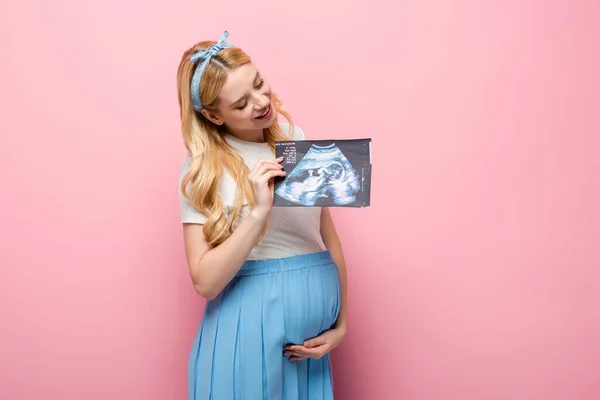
(316, 347)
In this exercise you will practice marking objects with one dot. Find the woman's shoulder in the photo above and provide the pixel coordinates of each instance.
(227, 186)
(293, 131)
(184, 165)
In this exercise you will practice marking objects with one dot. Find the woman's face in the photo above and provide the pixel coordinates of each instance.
(245, 104)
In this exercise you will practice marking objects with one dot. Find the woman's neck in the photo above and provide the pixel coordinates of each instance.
(254, 136)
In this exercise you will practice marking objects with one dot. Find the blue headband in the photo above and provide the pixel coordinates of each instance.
(205, 56)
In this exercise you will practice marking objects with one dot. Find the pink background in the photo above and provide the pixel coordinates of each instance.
(474, 276)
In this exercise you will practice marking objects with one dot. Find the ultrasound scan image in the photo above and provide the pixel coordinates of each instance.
(324, 173)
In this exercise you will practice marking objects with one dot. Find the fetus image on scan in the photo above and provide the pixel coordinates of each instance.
(324, 176)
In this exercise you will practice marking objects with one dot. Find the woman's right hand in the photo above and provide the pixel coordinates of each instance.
(262, 183)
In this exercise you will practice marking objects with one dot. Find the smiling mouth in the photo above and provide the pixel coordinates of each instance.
(266, 113)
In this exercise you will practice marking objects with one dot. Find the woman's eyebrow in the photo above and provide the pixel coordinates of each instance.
(244, 97)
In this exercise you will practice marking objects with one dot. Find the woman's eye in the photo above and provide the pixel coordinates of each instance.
(260, 84)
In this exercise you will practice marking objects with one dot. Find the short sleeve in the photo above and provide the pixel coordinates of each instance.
(298, 133)
(189, 214)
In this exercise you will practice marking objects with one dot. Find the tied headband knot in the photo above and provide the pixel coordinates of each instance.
(204, 57)
(205, 54)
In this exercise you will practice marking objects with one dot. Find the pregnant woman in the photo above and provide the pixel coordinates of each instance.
(274, 278)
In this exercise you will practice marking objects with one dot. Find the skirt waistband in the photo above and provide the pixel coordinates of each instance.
(257, 267)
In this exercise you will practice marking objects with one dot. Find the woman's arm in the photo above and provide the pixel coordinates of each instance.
(332, 242)
(212, 268)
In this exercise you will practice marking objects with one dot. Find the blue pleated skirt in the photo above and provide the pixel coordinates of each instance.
(238, 350)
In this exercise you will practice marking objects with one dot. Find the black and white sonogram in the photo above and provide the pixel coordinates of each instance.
(324, 173)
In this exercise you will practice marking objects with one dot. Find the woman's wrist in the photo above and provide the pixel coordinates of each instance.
(260, 214)
(341, 325)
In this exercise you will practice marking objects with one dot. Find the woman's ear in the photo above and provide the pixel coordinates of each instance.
(212, 117)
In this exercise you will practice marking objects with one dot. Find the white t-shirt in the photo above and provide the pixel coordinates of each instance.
(291, 230)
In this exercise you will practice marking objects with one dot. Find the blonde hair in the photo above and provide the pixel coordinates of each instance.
(210, 152)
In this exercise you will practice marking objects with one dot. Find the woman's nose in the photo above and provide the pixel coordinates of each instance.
(261, 102)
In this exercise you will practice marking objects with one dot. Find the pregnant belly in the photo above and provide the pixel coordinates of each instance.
(266, 311)
(311, 300)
